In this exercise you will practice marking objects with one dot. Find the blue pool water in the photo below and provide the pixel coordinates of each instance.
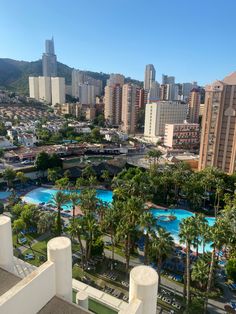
(173, 226)
(4, 195)
(43, 195)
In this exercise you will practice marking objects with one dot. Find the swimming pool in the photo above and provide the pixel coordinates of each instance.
(4, 195)
(44, 195)
(173, 226)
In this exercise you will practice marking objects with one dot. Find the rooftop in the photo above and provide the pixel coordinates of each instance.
(7, 281)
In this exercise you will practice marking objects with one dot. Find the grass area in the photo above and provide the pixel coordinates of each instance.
(118, 249)
(30, 237)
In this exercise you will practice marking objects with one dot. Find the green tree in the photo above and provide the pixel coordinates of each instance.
(53, 174)
(187, 234)
(154, 156)
(18, 225)
(162, 246)
(45, 222)
(21, 177)
(62, 184)
(74, 198)
(200, 272)
(9, 175)
(76, 229)
(42, 161)
(231, 269)
(147, 224)
(59, 199)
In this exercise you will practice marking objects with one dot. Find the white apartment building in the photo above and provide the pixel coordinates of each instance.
(58, 90)
(182, 135)
(34, 87)
(80, 78)
(45, 93)
(87, 94)
(157, 114)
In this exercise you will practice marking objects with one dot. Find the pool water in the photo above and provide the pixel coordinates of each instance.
(44, 195)
(4, 195)
(173, 226)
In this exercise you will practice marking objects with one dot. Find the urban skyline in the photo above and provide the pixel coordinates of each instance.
(76, 46)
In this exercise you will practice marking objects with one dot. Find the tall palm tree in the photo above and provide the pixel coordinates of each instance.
(88, 201)
(200, 272)
(187, 235)
(74, 198)
(219, 237)
(45, 222)
(162, 245)
(76, 229)
(91, 232)
(147, 224)
(59, 199)
(110, 224)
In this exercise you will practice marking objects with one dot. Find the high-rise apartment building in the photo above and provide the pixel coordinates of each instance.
(194, 105)
(45, 93)
(154, 92)
(143, 98)
(186, 89)
(34, 87)
(58, 90)
(130, 100)
(218, 139)
(157, 114)
(80, 80)
(115, 79)
(113, 104)
(49, 59)
(169, 92)
(150, 76)
(167, 79)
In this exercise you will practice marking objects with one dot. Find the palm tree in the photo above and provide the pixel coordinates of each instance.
(45, 222)
(219, 237)
(200, 272)
(110, 224)
(105, 175)
(21, 177)
(162, 245)
(59, 199)
(187, 234)
(76, 228)
(9, 175)
(74, 198)
(147, 224)
(88, 201)
(18, 225)
(220, 185)
(154, 155)
(91, 233)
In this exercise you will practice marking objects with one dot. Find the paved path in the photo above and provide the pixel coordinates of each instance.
(25, 247)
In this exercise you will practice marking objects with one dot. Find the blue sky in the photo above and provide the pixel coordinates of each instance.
(193, 40)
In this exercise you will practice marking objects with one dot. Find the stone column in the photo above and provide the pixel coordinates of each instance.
(59, 252)
(6, 245)
(143, 286)
(82, 299)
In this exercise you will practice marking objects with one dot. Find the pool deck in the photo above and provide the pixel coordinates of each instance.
(152, 205)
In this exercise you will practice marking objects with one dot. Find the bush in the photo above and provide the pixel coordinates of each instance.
(231, 269)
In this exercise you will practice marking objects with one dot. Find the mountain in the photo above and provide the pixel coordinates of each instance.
(14, 74)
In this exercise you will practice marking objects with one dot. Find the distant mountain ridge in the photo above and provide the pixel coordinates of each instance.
(14, 74)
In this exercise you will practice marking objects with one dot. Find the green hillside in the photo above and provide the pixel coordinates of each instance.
(14, 74)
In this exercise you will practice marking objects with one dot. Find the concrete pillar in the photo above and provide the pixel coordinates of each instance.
(6, 245)
(59, 252)
(143, 286)
(82, 299)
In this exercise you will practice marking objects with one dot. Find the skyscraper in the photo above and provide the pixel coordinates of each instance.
(168, 79)
(150, 75)
(130, 101)
(45, 92)
(113, 104)
(194, 105)
(49, 59)
(218, 139)
(115, 79)
(80, 78)
(154, 92)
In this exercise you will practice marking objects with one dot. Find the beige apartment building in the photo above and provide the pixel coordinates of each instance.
(58, 90)
(182, 135)
(194, 105)
(113, 104)
(130, 102)
(218, 140)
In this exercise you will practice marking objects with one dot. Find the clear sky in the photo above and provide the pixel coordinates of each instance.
(192, 40)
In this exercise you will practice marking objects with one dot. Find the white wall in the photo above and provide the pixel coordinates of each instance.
(31, 293)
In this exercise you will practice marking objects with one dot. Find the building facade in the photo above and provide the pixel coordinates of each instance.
(49, 59)
(45, 93)
(79, 82)
(115, 79)
(149, 76)
(58, 90)
(218, 138)
(34, 87)
(159, 113)
(113, 104)
(130, 101)
(194, 105)
(182, 135)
